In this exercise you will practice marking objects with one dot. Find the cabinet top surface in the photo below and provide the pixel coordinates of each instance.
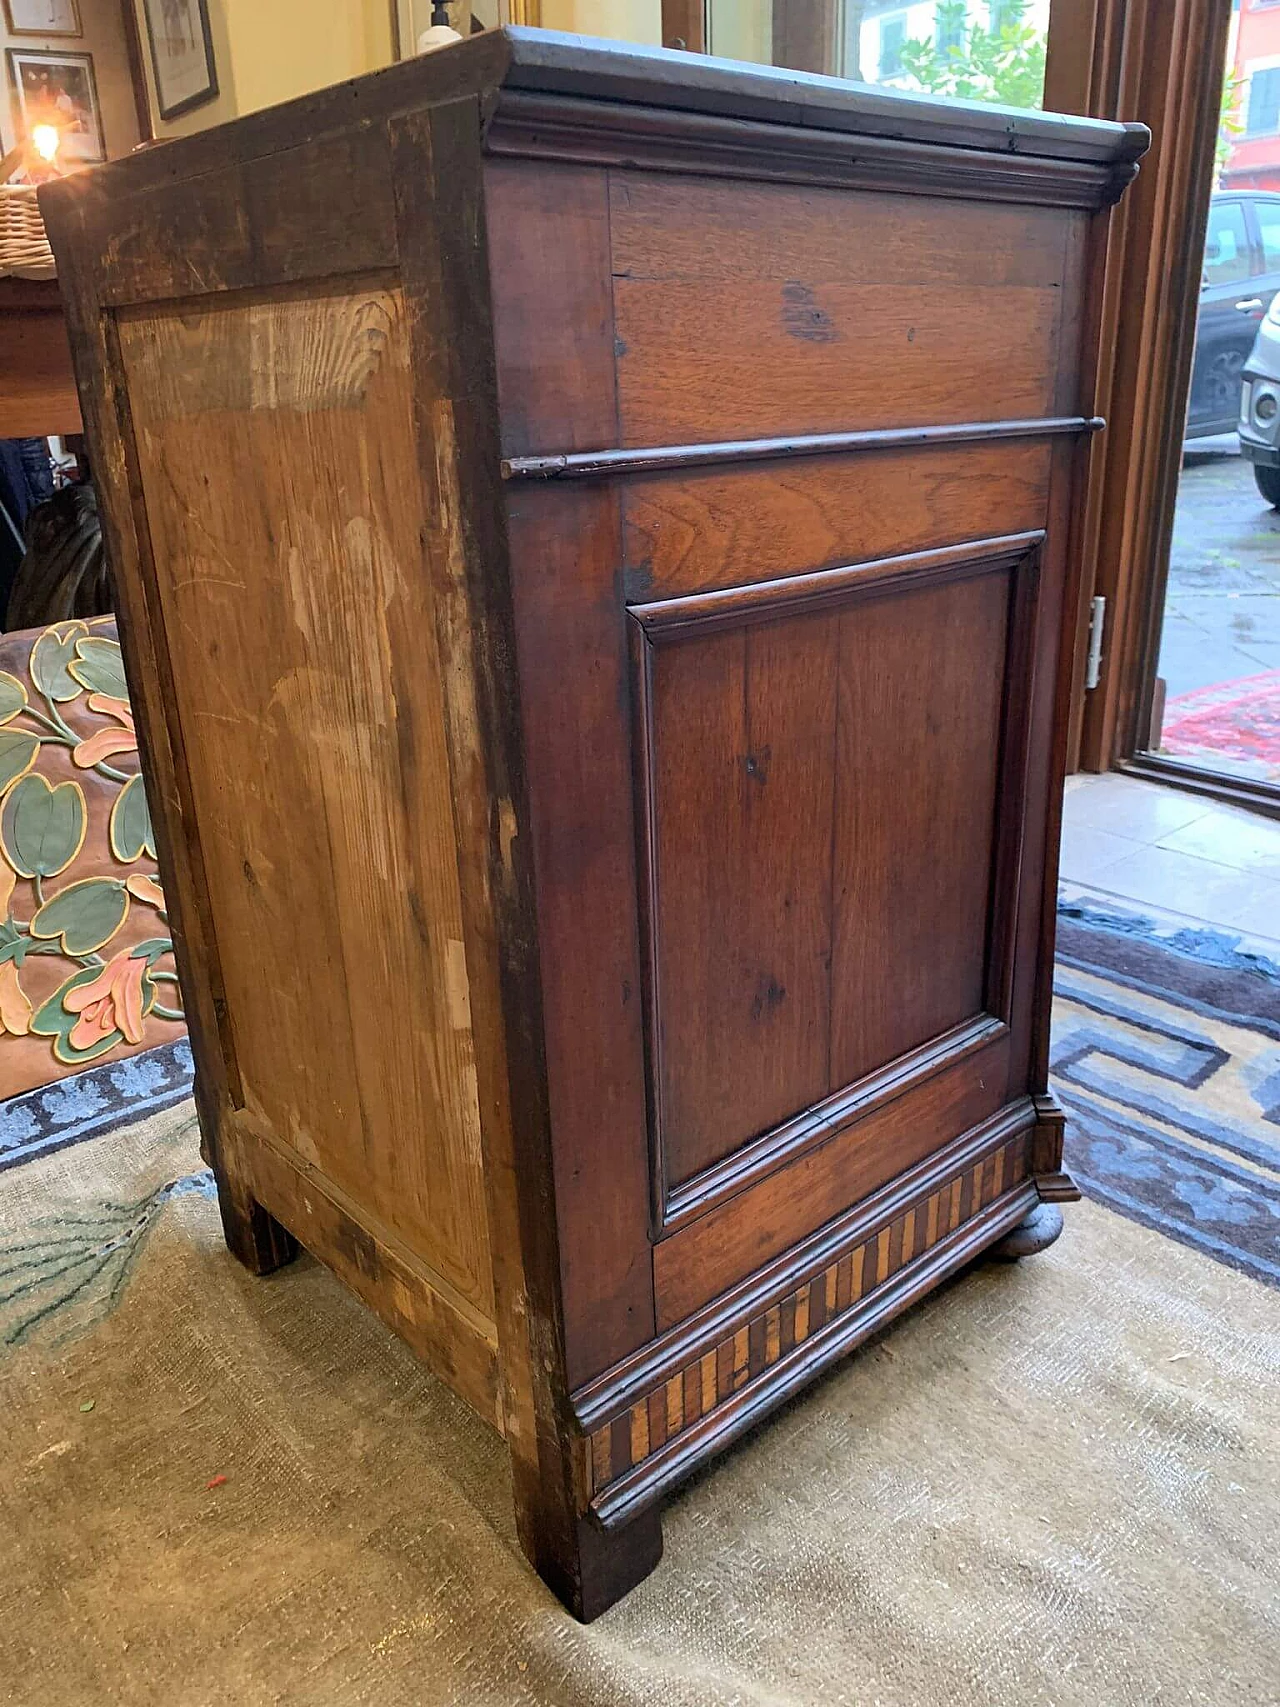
(581, 68)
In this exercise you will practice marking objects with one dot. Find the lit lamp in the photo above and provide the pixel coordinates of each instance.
(46, 139)
(36, 158)
(441, 33)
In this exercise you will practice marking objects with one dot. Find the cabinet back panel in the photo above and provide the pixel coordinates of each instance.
(823, 311)
(275, 448)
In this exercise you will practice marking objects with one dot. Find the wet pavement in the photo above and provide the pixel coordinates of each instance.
(1222, 609)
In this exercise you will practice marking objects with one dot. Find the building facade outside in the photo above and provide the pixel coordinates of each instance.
(1252, 106)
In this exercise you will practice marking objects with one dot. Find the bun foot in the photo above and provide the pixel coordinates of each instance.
(1035, 1232)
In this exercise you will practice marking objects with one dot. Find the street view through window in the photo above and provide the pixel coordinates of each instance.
(1217, 693)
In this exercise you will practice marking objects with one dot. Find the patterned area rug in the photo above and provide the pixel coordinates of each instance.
(1166, 1058)
(1238, 720)
(215, 1489)
(89, 1104)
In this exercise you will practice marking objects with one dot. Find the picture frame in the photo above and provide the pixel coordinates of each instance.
(182, 62)
(52, 87)
(44, 18)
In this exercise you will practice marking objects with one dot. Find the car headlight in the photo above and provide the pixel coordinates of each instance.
(1265, 408)
(1273, 313)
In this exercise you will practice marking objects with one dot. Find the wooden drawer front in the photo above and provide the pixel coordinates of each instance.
(746, 310)
(723, 527)
(829, 800)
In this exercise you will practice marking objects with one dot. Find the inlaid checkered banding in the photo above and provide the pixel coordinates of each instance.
(724, 1369)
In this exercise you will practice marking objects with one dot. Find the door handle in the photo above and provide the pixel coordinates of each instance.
(1250, 304)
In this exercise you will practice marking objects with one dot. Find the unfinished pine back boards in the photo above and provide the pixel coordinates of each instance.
(594, 533)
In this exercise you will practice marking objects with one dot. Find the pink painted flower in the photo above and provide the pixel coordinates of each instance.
(104, 742)
(110, 1002)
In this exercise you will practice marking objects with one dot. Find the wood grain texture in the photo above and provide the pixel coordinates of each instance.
(39, 392)
(806, 748)
(814, 328)
(921, 686)
(740, 796)
(309, 692)
(719, 1391)
(457, 1342)
(735, 1238)
(553, 338)
(722, 529)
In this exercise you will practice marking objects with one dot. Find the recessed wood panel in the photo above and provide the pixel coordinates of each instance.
(742, 801)
(922, 680)
(819, 761)
(819, 311)
(275, 447)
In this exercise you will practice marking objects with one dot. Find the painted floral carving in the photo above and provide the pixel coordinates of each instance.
(113, 1001)
(105, 742)
(86, 960)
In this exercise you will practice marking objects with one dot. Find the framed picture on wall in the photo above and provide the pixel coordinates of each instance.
(59, 89)
(42, 17)
(181, 54)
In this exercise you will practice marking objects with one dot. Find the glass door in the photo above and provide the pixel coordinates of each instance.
(1214, 688)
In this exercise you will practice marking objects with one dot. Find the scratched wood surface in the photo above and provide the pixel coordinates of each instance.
(771, 308)
(275, 449)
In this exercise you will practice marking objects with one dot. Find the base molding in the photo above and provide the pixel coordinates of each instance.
(653, 1418)
(619, 1500)
(451, 1337)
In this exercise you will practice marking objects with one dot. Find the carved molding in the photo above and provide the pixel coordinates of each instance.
(635, 1452)
(558, 126)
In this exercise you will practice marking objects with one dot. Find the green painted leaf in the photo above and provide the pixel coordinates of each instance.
(131, 832)
(84, 916)
(13, 696)
(50, 657)
(17, 755)
(99, 667)
(153, 949)
(53, 1020)
(42, 827)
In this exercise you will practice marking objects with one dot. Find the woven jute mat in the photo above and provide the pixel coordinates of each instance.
(1052, 1483)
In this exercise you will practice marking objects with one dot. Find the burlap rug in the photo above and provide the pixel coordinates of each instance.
(1054, 1483)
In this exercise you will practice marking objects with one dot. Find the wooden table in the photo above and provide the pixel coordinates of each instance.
(38, 395)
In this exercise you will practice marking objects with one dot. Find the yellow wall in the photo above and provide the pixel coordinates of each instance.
(628, 20)
(267, 51)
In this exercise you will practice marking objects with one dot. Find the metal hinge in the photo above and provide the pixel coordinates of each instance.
(1097, 622)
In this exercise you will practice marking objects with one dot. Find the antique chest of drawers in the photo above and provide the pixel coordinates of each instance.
(595, 531)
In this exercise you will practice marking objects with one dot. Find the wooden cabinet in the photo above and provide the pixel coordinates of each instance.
(594, 530)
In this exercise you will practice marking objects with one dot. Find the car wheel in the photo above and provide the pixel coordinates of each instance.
(1222, 383)
(1268, 480)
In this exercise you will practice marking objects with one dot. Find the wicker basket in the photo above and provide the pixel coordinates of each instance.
(24, 248)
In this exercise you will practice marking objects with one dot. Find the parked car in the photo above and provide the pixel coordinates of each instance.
(1259, 425)
(1241, 279)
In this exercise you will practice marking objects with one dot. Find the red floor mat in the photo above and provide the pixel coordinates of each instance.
(1237, 720)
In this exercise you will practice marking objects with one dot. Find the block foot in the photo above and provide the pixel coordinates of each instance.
(253, 1237)
(602, 1565)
